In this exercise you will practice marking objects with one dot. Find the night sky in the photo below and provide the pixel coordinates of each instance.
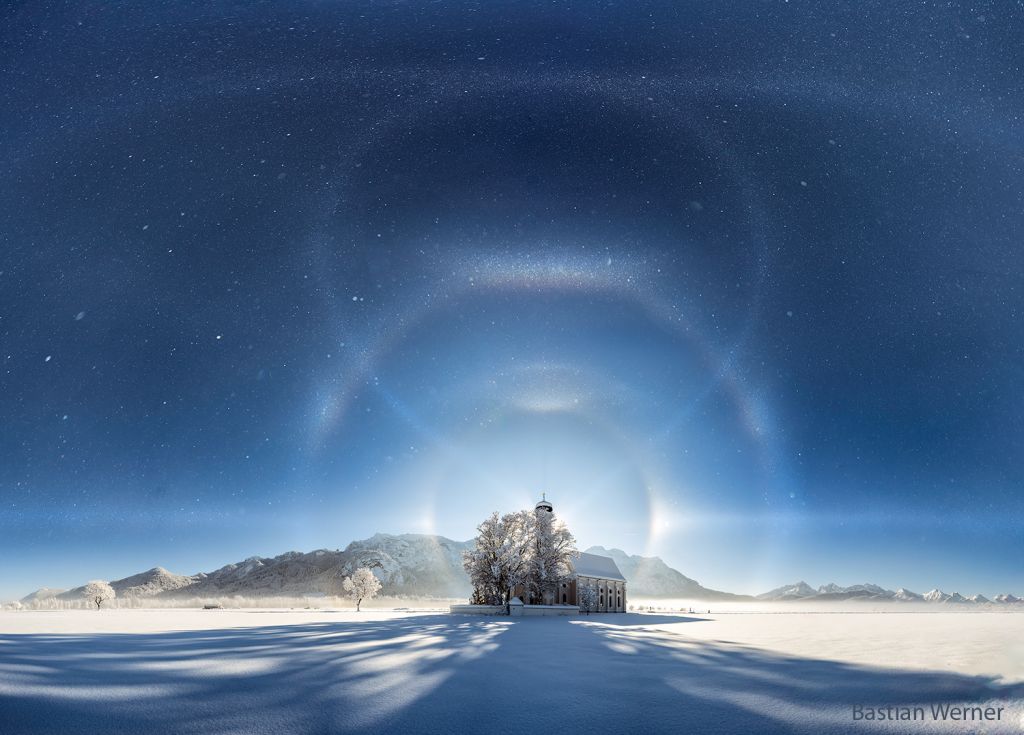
(738, 284)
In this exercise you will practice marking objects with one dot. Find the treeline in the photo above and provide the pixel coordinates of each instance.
(236, 602)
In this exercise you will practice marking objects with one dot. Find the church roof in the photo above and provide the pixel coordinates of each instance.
(603, 567)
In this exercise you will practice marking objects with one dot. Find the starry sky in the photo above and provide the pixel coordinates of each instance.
(740, 284)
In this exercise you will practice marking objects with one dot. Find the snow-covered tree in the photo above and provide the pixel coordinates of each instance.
(500, 557)
(97, 592)
(553, 551)
(483, 563)
(362, 585)
(586, 598)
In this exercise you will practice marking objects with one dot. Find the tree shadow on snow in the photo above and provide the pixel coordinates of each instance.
(443, 673)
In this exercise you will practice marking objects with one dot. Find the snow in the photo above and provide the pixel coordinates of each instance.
(592, 565)
(232, 671)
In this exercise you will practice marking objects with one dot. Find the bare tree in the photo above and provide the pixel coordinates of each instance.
(362, 585)
(98, 592)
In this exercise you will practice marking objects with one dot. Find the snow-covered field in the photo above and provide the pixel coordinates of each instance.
(245, 671)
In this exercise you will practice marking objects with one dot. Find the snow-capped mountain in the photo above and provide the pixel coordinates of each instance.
(1007, 599)
(649, 576)
(905, 595)
(291, 573)
(869, 589)
(834, 592)
(409, 564)
(872, 592)
(797, 591)
(938, 595)
(413, 564)
(44, 593)
(153, 582)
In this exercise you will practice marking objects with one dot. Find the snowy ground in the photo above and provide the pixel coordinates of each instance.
(224, 671)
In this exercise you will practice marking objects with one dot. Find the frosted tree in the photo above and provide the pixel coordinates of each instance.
(98, 592)
(553, 551)
(483, 562)
(362, 585)
(500, 557)
(586, 598)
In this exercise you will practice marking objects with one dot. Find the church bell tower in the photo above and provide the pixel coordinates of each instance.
(543, 504)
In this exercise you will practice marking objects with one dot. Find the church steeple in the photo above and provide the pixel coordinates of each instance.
(543, 504)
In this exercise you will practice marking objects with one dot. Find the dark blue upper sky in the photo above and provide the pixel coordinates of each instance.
(739, 284)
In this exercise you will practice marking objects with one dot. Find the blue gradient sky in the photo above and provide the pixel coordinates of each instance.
(739, 285)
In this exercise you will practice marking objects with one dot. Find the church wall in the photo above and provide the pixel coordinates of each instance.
(611, 594)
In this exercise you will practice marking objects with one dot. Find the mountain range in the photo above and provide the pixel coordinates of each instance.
(419, 565)
(803, 592)
(406, 565)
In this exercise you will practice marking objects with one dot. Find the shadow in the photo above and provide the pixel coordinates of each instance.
(630, 619)
(439, 673)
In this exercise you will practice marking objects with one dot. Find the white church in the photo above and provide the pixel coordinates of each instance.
(600, 573)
